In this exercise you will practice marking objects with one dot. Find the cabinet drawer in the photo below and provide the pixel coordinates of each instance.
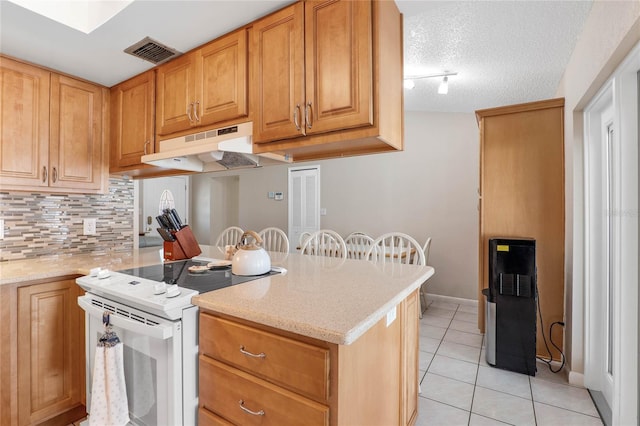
(207, 418)
(225, 390)
(298, 366)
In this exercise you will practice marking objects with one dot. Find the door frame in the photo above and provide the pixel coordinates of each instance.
(623, 88)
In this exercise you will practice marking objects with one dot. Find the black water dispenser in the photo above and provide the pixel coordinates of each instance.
(511, 305)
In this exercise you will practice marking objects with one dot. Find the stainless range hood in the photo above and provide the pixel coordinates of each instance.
(212, 150)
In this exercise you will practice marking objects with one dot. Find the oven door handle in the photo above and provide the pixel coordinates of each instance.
(160, 331)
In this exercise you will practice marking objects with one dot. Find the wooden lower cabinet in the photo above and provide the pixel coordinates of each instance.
(253, 374)
(42, 354)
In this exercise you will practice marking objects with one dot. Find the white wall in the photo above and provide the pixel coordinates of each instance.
(429, 189)
(612, 29)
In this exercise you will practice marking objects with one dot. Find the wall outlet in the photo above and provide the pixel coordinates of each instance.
(1, 229)
(391, 316)
(89, 226)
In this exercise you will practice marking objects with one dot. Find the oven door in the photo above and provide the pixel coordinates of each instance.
(152, 359)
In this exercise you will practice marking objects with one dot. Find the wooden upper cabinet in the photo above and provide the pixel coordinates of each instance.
(203, 87)
(52, 131)
(132, 121)
(175, 94)
(338, 60)
(24, 124)
(339, 94)
(277, 58)
(312, 69)
(222, 72)
(76, 145)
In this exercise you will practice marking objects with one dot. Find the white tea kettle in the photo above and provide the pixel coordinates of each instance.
(250, 259)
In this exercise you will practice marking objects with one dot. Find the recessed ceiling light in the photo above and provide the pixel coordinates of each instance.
(81, 15)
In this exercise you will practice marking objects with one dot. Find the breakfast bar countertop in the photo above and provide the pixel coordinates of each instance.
(329, 299)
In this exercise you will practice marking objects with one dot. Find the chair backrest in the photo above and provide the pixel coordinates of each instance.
(357, 244)
(325, 243)
(303, 237)
(396, 247)
(274, 239)
(229, 237)
(426, 249)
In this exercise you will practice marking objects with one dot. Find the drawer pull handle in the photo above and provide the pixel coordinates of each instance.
(260, 355)
(246, 410)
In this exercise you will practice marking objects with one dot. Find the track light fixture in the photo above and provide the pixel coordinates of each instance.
(443, 88)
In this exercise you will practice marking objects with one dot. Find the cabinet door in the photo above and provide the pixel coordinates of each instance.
(222, 69)
(132, 126)
(277, 57)
(176, 88)
(76, 144)
(24, 124)
(50, 351)
(338, 60)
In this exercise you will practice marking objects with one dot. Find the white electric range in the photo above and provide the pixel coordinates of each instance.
(150, 310)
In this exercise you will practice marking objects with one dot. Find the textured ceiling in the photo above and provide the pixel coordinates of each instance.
(503, 51)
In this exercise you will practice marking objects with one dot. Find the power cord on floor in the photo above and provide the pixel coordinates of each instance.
(544, 338)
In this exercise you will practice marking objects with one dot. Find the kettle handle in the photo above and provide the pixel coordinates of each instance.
(255, 236)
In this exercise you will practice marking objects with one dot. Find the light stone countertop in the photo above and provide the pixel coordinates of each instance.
(328, 299)
(22, 271)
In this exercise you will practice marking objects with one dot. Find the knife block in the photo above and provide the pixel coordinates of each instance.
(184, 247)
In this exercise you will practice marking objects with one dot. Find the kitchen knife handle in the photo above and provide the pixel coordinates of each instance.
(176, 216)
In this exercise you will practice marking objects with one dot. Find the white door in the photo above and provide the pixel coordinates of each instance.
(304, 203)
(611, 241)
(165, 191)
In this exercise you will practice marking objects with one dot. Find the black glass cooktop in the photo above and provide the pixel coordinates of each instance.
(178, 273)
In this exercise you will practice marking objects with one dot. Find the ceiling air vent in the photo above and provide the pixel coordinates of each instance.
(152, 51)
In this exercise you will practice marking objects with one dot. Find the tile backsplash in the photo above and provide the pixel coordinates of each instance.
(41, 224)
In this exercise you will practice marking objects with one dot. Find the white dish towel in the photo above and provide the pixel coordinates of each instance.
(109, 405)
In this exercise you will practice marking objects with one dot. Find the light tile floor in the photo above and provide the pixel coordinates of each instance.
(460, 388)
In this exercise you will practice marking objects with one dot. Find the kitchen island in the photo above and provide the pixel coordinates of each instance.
(331, 341)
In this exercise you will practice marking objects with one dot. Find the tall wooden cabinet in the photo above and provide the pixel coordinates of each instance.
(42, 365)
(326, 79)
(522, 195)
(52, 131)
(203, 87)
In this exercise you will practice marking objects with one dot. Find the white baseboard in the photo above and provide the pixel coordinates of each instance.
(576, 379)
(450, 299)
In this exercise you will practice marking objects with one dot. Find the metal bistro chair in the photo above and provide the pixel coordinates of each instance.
(325, 243)
(357, 245)
(274, 239)
(229, 237)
